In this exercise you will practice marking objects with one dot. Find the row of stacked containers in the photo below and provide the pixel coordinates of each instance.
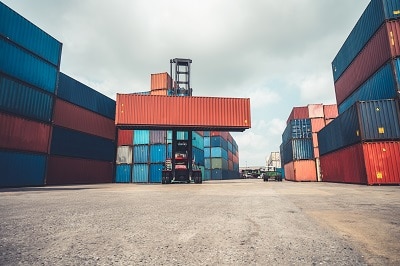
(300, 148)
(363, 144)
(53, 129)
(141, 153)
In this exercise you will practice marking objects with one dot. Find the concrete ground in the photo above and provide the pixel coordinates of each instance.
(238, 222)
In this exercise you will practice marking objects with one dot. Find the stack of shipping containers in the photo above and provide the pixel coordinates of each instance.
(29, 65)
(300, 147)
(221, 156)
(274, 163)
(82, 147)
(363, 144)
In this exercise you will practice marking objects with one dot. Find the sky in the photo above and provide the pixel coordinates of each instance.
(277, 53)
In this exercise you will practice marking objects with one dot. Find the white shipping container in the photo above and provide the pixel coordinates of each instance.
(124, 155)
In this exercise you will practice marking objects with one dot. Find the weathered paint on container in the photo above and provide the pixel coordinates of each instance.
(71, 143)
(78, 93)
(158, 137)
(383, 46)
(26, 67)
(66, 170)
(140, 173)
(160, 81)
(20, 99)
(21, 169)
(141, 137)
(124, 155)
(150, 111)
(155, 173)
(330, 111)
(21, 31)
(17, 133)
(298, 149)
(315, 110)
(372, 18)
(304, 170)
(158, 153)
(381, 85)
(317, 124)
(298, 113)
(123, 173)
(124, 137)
(141, 154)
(77, 118)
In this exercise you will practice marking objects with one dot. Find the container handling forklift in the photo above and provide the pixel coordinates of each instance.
(181, 167)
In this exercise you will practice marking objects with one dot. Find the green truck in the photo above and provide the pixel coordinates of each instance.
(271, 175)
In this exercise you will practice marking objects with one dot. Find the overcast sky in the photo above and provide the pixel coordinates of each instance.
(277, 53)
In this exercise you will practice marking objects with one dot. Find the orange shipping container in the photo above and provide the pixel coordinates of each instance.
(160, 81)
(303, 170)
(169, 112)
(159, 92)
(317, 124)
(330, 111)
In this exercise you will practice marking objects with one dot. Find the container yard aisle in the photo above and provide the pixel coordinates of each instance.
(234, 222)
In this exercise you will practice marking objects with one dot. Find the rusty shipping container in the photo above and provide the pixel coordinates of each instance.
(22, 134)
(363, 163)
(124, 137)
(77, 118)
(330, 111)
(302, 170)
(298, 113)
(383, 46)
(168, 112)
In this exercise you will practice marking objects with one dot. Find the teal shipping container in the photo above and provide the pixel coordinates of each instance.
(141, 154)
(123, 173)
(140, 173)
(155, 173)
(157, 153)
(141, 137)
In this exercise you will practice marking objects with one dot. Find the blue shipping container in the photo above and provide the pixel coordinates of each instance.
(140, 173)
(206, 133)
(330, 138)
(207, 163)
(26, 67)
(157, 153)
(155, 173)
(141, 137)
(25, 101)
(298, 149)
(123, 173)
(207, 152)
(198, 141)
(207, 175)
(169, 151)
(297, 129)
(216, 174)
(198, 156)
(218, 141)
(77, 93)
(219, 152)
(21, 31)
(71, 143)
(21, 169)
(372, 18)
(207, 141)
(382, 85)
(141, 154)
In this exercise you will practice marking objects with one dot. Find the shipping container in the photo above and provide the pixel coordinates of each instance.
(207, 141)
(330, 111)
(77, 93)
(17, 133)
(383, 46)
(372, 18)
(304, 170)
(218, 141)
(22, 169)
(382, 85)
(141, 154)
(219, 152)
(20, 99)
(297, 128)
(150, 111)
(160, 81)
(207, 174)
(26, 67)
(124, 137)
(317, 124)
(71, 143)
(330, 137)
(158, 153)
(198, 156)
(298, 149)
(155, 173)
(140, 173)
(315, 139)
(77, 118)
(161, 92)
(223, 134)
(124, 155)
(207, 163)
(123, 173)
(219, 163)
(21, 31)
(298, 113)
(66, 170)
(198, 140)
(141, 137)
(315, 110)
(207, 134)
(207, 152)
(158, 137)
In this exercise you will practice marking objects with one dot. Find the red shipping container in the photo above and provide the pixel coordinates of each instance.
(77, 118)
(316, 152)
(160, 81)
(22, 134)
(170, 112)
(159, 92)
(303, 170)
(124, 137)
(65, 171)
(383, 46)
(317, 124)
(315, 140)
(331, 111)
(298, 113)
(363, 163)
(315, 110)
(222, 134)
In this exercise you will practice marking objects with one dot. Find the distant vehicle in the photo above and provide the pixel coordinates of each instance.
(271, 175)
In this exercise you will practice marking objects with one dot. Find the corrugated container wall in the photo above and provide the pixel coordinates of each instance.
(304, 170)
(123, 173)
(124, 137)
(160, 81)
(124, 155)
(298, 113)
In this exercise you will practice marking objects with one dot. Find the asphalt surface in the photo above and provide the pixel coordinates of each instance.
(238, 222)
